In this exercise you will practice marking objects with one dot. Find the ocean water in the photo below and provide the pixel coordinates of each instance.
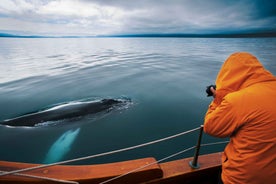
(164, 77)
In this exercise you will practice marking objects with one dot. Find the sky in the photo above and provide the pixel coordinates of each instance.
(111, 17)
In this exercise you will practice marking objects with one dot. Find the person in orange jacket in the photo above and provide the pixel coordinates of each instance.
(244, 109)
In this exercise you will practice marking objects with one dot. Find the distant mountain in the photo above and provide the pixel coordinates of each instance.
(19, 36)
(222, 35)
(5, 35)
(38, 36)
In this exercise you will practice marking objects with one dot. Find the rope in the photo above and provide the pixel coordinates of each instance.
(2, 173)
(214, 143)
(101, 154)
(45, 178)
(144, 166)
(161, 160)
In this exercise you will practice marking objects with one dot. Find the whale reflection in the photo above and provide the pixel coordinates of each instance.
(61, 146)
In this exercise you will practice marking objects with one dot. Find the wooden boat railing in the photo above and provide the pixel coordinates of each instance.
(193, 163)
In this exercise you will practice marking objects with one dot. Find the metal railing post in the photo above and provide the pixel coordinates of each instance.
(193, 164)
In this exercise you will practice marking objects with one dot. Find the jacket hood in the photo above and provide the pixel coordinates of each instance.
(239, 71)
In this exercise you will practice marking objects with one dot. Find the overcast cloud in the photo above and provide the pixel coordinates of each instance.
(94, 17)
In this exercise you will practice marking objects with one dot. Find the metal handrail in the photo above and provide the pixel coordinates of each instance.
(194, 164)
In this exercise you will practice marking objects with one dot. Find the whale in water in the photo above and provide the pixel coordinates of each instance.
(66, 111)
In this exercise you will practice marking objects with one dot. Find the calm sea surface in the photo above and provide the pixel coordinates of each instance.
(164, 77)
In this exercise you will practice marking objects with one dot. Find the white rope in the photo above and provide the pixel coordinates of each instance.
(2, 173)
(161, 160)
(101, 154)
(144, 166)
(214, 143)
(44, 178)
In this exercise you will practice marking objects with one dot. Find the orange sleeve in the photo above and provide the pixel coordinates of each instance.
(221, 120)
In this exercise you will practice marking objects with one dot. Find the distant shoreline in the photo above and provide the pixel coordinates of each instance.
(170, 35)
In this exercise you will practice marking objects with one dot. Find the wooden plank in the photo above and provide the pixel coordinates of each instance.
(172, 172)
(86, 173)
(179, 171)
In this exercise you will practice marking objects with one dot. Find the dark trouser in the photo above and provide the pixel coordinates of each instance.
(219, 177)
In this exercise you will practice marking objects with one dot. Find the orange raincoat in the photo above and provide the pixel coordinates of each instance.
(244, 109)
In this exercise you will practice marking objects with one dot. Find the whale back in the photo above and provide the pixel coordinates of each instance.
(65, 111)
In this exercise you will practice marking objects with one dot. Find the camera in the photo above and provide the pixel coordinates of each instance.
(208, 90)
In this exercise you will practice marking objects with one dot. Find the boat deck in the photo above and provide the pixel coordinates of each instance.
(177, 171)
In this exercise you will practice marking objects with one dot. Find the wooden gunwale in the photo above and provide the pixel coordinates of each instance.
(177, 171)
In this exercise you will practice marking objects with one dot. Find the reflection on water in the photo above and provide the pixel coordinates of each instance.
(61, 146)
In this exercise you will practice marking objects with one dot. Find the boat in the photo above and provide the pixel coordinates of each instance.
(129, 172)
(203, 169)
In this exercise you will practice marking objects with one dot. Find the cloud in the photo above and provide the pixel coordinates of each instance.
(72, 8)
(69, 16)
(76, 15)
(90, 17)
(15, 7)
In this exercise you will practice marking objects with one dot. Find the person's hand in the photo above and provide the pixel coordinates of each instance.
(213, 91)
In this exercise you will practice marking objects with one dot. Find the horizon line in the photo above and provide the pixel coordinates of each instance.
(149, 35)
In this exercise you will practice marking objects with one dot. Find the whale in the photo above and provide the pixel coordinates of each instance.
(61, 146)
(66, 111)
